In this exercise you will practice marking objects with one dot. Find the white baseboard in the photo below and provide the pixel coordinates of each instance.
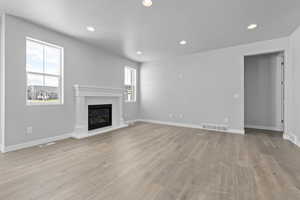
(292, 138)
(69, 135)
(234, 131)
(96, 132)
(129, 122)
(53, 139)
(264, 127)
(35, 143)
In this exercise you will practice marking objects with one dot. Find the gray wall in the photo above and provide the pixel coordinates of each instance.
(295, 49)
(203, 87)
(263, 99)
(84, 64)
(200, 88)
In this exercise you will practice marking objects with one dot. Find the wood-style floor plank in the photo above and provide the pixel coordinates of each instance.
(155, 162)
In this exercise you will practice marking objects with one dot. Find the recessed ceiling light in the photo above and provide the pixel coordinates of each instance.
(90, 29)
(139, 53)
(182, 42)
(147, 3)
(252, 26)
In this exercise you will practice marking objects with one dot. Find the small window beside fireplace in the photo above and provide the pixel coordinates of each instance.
(99, 116)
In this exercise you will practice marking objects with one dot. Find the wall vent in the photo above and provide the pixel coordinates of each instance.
(215, 127)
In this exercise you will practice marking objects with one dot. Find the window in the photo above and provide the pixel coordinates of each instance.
(44, 69)
(130, 84)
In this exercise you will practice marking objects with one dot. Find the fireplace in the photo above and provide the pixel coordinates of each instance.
(99, 116)
(86, 95)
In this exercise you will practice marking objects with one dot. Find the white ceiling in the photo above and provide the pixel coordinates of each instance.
(125, 26)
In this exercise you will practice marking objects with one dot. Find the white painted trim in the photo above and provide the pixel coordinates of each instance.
(35, 143)
(60, 76)
(94, 87)
(243, 92)
(96, 132)
(271, 128)
(128, 122)
(82, 94)
(43, 42)
(234, 131)
(55, 138)
(2, 74)
(92, 90)
(285, 51)
(292, 138)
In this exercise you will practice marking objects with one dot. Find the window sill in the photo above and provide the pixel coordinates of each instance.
(44, 104)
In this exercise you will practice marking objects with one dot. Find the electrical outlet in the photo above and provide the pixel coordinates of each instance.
(29, 130)
(181, 116)
(171, 115)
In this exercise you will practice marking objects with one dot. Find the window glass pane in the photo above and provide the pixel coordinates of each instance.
(133, 76)
(35, 80)
(127, 76)
(51, 81)
(43, 59)
(130, 84)
(51, 94)
(34, 57)
(40, 94)
(133, 93)
(52, 60)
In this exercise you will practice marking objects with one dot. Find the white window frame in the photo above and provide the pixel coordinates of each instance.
(132, 84)
(60, 76)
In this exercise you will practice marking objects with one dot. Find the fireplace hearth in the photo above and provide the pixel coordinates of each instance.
(99, 116)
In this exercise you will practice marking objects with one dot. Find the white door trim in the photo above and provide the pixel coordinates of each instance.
(284, 52)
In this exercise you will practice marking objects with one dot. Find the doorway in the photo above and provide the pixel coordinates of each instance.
(264, 92)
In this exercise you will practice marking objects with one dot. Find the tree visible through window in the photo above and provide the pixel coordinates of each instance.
(44, 64)
(130, 84)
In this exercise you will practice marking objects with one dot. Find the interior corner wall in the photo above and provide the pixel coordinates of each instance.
(200, 88)
(1, 85)
(84, 64)
(295, 59)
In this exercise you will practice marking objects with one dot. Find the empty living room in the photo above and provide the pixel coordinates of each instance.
(149, 100)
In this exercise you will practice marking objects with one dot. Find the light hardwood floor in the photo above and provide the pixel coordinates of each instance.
(155, 162)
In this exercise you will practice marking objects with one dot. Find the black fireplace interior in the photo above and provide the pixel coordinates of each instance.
(100, 116)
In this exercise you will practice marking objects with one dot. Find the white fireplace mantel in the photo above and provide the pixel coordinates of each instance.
(90, 91)
(83, 96)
